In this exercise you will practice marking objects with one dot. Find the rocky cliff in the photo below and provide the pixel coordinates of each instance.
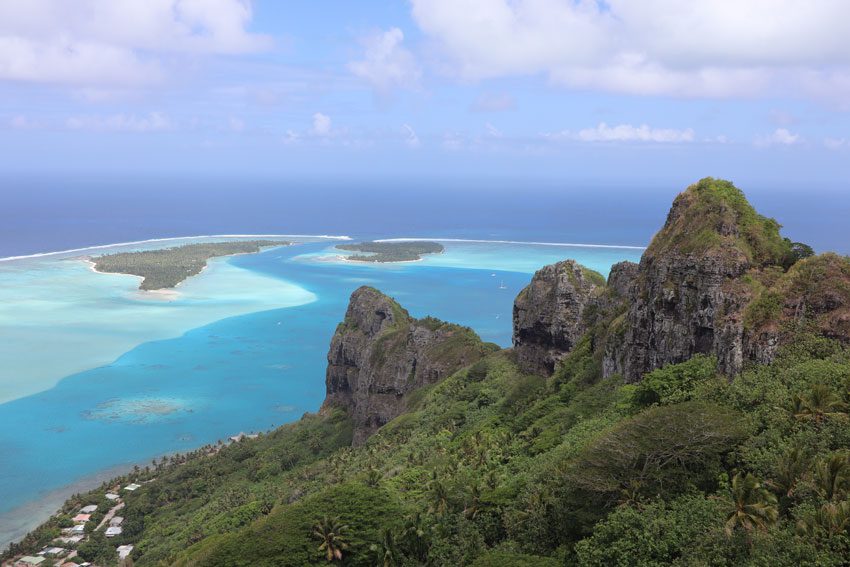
(812, 297)
(548, 316)
(379, 354)
(689, 294)
(718, 279)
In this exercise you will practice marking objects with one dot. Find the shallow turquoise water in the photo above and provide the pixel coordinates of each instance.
(244, 373)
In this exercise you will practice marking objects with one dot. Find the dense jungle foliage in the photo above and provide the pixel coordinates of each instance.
(493, 467)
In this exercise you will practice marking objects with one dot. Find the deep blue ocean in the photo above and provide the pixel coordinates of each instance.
(40, 214)
(254, 371)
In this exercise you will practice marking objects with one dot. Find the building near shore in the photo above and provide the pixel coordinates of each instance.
(29, 561)
(124, 551)
(113, 531)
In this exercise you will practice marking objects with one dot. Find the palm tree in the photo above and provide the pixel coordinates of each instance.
(473, 502)
(332, 534)
(819, 403)
(373, 477)
(414, 537)
(791, 466)
(832, 476)
(830, 520)
(439, 498)
(391, 555)
(752, 506)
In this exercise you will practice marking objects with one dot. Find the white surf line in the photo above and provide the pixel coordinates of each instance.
(565, 244)
(152, 240)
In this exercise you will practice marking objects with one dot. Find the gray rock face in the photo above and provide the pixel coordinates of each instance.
(684, 303)
(680, 306)
(621, 278)
(548, 314)
(379, 354)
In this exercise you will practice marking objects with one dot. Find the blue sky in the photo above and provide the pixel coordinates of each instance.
(609, 92)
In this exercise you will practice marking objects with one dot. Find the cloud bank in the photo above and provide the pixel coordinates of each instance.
(699, 48)
(116, 42)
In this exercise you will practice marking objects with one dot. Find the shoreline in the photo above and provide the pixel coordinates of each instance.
(525, 242)
(17, 522)
(171, 293)
(348, 260)
(167, 239)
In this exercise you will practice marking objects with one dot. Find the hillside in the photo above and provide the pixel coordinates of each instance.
(696, 413)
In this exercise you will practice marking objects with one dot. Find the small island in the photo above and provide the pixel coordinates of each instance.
(383, 252)
(167, 267)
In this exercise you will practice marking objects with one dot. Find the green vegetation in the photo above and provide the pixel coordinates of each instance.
(493, 467)
(391, 251)
(167, 267)
(718, 219)
(814, 294)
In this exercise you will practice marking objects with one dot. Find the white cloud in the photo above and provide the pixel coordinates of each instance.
(321, 125)
(779, 137)
(493, 102)
(412, 140)
(236, 124)
(116, 42)
(694, 48)
(625, 133)
(453, 141)
(835, 143)
(492, 130)
(153, 122)
(386, 63)
(21, 122)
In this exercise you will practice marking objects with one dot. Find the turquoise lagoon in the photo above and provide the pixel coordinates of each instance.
(96, 377)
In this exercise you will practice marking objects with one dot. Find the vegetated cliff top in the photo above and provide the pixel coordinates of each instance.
(814, 292)
(714, 217)
(379, 354)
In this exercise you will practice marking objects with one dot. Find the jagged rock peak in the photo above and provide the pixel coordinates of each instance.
(621, 278)
(713, 217)
(548, 315)
(379, 354)
(688, 297)
(372, 312)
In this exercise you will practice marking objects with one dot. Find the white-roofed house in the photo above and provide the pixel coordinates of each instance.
(113, 531)
(124, 551)
(29, 561)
